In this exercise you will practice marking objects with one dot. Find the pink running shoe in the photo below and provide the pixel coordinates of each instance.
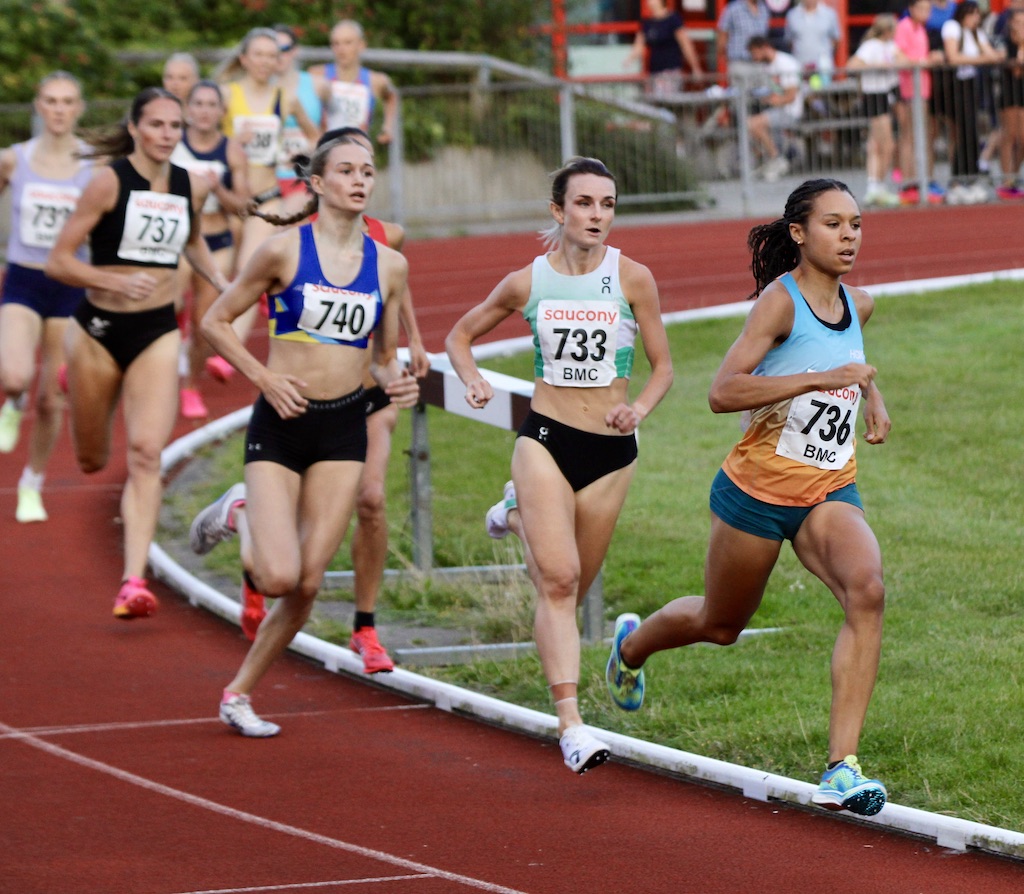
(219, 368)
(375, 658)
(134, 600)
(192, 405)
(253, 611)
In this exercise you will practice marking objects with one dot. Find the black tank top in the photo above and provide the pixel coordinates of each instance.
(144, 228)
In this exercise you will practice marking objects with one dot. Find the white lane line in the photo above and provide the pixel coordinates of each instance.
(151, 724)
(241, 815)
(307, 885)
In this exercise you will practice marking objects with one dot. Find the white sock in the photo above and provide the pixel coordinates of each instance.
(31, 480)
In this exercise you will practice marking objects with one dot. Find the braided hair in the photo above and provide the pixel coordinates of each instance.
(773, 249)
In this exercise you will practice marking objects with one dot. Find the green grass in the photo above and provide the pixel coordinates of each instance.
(944, 497)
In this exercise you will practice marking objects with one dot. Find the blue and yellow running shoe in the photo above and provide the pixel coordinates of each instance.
(845, 787)
(625, 683)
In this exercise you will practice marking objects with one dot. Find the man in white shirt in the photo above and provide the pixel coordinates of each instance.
(783, 105)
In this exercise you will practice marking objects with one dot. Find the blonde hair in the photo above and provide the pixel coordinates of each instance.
(883, 23)
(231, 68)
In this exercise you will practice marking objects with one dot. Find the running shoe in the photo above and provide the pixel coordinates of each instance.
(910, 195)
(192, 405)
(1009, 193)
(497, 516)
(30, 506)
(936, 194)
(375, 657)
(213, 524)
(236, 711)
(219, 368)
(134, 600)
(10, 425)
(845, 787)
(625, 683)
(582, 750)
(253, 610)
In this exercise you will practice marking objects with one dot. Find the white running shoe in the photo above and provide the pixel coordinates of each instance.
(211, 526)
(10, 424)
(581, 750)
(497, 515)
(30, 506)
(237, 713)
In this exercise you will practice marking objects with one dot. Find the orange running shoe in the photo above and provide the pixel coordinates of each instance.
(375, 658)
(134, 600)
(253, 611)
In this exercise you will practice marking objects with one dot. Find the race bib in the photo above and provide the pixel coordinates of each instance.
(577, 342)
(819, 428)
(350, 104)
(259, 134)
(338, 314)
(156, 228)
(44, 208)
(293, 142)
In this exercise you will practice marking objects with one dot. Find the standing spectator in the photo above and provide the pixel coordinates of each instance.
(877, 57)
(663, 37)
(812, 29)
(798, 369)
(911, 37)
(740, 21)
(46, 175)
(576, 452)
(965, 44)
(139, 213)
(1011, 99)
(784, 105)
(350, 92)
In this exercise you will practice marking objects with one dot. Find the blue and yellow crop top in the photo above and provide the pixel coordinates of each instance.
(312, 309)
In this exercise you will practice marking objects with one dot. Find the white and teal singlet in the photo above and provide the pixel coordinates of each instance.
(583, 327)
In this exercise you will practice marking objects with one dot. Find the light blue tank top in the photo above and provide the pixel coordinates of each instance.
(814, 344)
(583, 327)
(293, 140)
(39, 207)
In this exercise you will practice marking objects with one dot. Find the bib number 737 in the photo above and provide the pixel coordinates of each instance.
(819, 428)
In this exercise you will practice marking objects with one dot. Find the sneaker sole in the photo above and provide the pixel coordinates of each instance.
(595, 760)
(140, 606)
(249, 735)
(866, 802)
(611, 668)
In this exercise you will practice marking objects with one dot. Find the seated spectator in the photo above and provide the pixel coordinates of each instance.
(782, 105)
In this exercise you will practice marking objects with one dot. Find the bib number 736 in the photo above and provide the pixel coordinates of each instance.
(818, 428)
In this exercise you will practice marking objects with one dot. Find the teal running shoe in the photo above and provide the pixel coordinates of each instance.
(626, 684)
(845, 787)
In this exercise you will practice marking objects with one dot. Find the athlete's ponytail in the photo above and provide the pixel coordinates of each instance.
(771, 244)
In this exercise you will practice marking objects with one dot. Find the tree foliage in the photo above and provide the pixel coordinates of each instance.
(84, 36)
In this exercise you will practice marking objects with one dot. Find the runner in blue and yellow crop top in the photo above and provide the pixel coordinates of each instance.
(583, 326)
(312, 309)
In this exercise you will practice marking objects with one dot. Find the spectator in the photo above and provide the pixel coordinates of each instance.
(877, 56)
(812, 28)
(911, 39)
(740, 21)
(965, 44)
(1011, 99)
(663, 37)
(784, 105)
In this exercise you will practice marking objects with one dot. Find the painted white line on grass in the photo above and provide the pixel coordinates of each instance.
(947, 831)
(245, 817)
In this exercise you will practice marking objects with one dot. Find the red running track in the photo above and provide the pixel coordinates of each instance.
(116, 777)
